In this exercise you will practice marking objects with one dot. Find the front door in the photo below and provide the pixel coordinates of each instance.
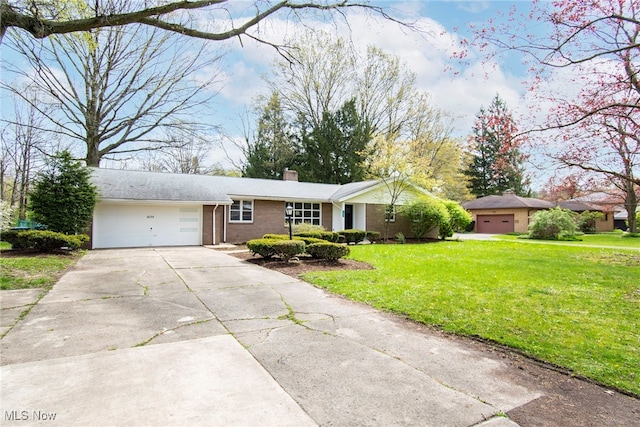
(348, 217)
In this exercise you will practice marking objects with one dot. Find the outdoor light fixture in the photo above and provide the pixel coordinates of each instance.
(289, 214)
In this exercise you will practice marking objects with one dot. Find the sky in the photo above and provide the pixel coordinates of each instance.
(460, 90)
(455, 88)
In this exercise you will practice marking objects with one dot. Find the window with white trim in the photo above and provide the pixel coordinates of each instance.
(241, 211)
(390, 213)
(309, 213)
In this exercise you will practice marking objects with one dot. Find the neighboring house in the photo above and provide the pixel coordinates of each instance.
(507, 213)
(606, 223)
(138, 209)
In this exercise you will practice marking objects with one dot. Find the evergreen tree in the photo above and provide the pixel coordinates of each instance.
(63, 197)
(336, 150)
(274, 149)
(497, 161)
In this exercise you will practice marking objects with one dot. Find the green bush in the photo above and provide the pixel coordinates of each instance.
(459, 218)
(308, 240)
(353, 235)
(262, 247)
(426, 214)
(328, 236)
(305, 227)
(287, 249)
(587, 221)
(327, 250)
(43, 240)
(269, 247)
(373, 236)
(276, 236)
(552, 224)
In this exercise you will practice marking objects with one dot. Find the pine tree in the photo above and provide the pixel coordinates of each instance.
(274, 149)
(497, 160)
(63, 197)
(336, 150)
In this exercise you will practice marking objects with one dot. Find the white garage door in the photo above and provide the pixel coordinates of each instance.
(123, 225)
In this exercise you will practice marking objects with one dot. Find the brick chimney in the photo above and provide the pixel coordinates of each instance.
(290, 175)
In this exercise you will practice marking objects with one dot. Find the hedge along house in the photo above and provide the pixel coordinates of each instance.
(138, 209)
(508, 213)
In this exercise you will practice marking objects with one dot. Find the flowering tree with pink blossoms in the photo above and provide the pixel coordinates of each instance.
(594, 45)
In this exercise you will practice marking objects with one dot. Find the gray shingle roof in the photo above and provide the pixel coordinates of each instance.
(141, 185)
(136, 185)
(507, 201)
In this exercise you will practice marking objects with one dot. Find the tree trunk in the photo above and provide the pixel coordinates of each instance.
(631, 204)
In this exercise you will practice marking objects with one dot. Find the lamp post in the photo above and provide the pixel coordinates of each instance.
(289, 214)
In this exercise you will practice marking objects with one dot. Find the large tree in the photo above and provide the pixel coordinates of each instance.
(437, 158)
(594, 47)
(271, 150)
(114, 90)
(45, 18)
(326, 72)
(335, 151)
(497, 160)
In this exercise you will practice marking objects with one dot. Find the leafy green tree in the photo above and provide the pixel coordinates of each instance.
(63, 197)
(274, 147)
(336, 151)
(497, 160)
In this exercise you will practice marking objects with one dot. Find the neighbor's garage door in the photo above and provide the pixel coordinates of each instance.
(124, 225)
(496, 224)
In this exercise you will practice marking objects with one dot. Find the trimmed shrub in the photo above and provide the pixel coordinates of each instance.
(287, 249)
(552, 224)
(328, 236)
(308, 240)
(353, 236)
(305, 227)
(276, 236)
(284, 249)
(373, 236)
(262, 247)
(43, 240)
(327, 250)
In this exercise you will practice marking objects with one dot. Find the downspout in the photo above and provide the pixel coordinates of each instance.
(214, 224)
(224, 225)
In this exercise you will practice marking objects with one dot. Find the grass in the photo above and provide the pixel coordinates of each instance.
(573, 306)
(34, 271)
(612, 239)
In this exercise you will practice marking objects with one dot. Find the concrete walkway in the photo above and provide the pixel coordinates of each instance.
(191, 336)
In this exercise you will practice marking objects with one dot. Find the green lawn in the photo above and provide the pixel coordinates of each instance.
(613, 239)
(37, 271)
(573, 306)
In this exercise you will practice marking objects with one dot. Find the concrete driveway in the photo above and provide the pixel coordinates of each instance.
(192, 336)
